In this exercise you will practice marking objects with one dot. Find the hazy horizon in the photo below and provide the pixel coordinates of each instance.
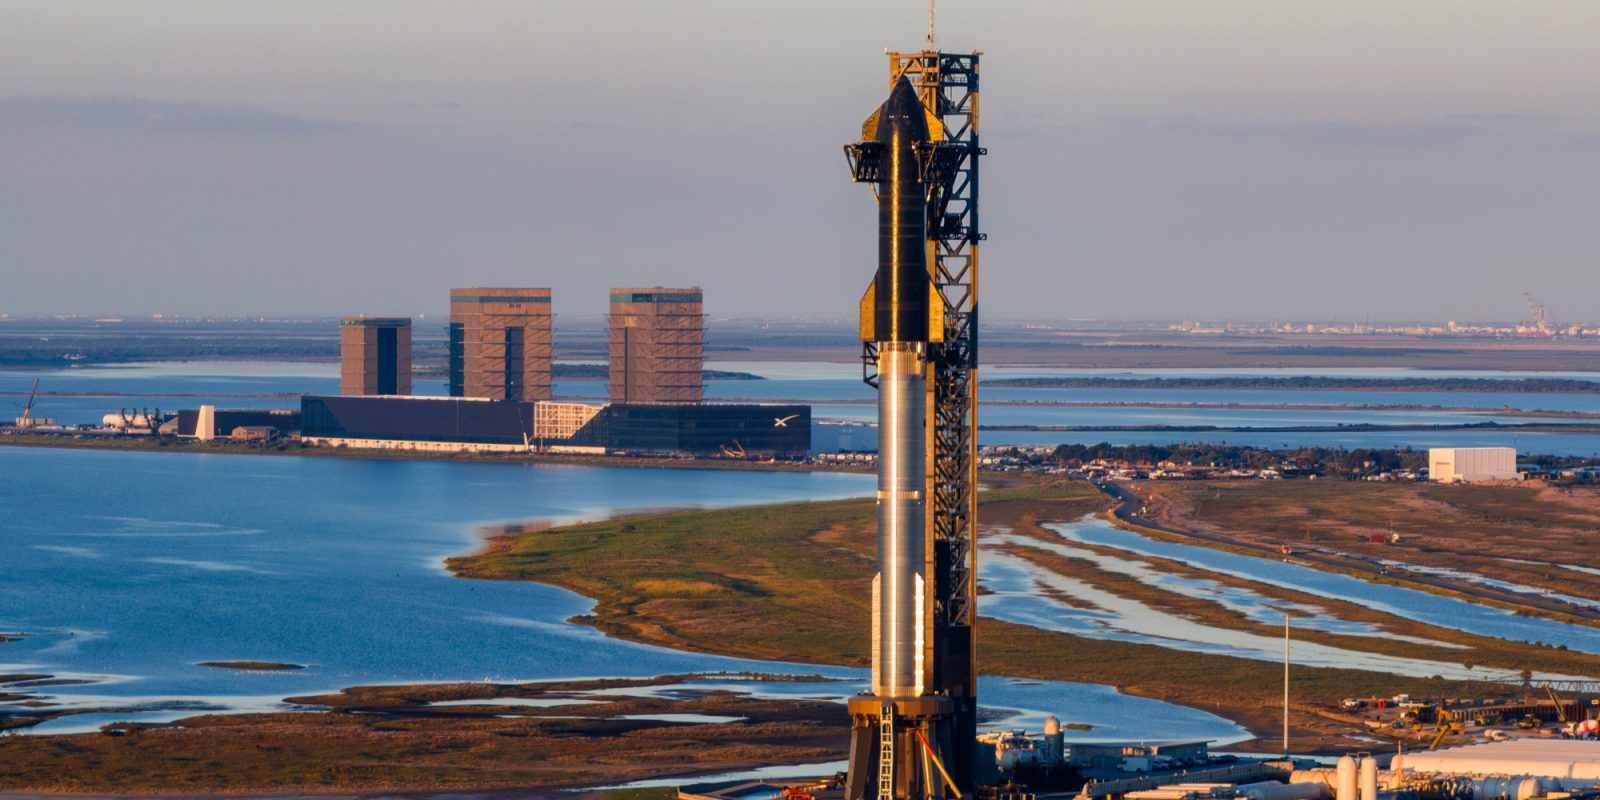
(1236, 160)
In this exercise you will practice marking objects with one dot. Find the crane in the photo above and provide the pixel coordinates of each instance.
(1541, 314)
(27, 411)
(1561, 708)
(1449, 723)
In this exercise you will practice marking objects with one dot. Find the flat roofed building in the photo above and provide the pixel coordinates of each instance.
(500, 343)
(657, 345)
(1469, 464)
(461, 423)
(375, 355)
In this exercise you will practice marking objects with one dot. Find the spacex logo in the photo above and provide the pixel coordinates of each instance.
(783, 422)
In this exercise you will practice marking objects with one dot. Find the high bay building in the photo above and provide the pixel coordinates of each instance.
(463, 424)
(375, 355)
(500, 343)
(657, 345)
(500, 371)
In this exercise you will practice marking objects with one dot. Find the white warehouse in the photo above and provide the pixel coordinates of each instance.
(1469, 464)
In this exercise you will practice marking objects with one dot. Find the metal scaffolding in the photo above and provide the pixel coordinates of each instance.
(500, 343)
(657, 345)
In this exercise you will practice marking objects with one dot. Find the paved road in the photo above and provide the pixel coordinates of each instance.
(1129, 504)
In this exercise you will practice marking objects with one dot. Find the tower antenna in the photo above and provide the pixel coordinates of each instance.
(930, 23)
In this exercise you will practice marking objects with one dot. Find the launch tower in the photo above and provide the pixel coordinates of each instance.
(913, 736)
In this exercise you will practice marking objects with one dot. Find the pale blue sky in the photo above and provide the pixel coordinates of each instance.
(1429, 159)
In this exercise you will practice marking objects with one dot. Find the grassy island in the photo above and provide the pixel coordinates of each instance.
(791, 582)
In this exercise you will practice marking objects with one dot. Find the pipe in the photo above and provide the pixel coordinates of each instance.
(1272, 790)
(934, 757)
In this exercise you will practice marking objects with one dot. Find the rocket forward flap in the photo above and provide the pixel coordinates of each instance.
(869, 129)
(869, 313)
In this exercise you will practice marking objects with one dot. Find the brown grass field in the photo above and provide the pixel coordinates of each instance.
(1492, 530)
(387, 738)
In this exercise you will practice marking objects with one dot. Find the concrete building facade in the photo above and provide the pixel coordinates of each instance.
(500, 344)
(1468, 464)
(657, 345)
(375, 355)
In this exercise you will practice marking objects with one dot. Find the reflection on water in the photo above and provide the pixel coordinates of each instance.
(1246, 602)
(329, 562)
(177, 559)
(1445, 612)
(1464, 576)
(1027, 594)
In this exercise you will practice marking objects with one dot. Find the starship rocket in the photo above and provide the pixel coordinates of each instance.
(901, 313)
(902, 731)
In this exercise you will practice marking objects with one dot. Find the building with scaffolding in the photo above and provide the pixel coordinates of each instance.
(375, 355)
(500, 341)
(657, 345)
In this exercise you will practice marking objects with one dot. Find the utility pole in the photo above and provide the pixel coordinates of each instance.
(1286, 683)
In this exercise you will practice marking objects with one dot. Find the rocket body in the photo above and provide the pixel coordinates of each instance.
(898, 315)
(898, 615)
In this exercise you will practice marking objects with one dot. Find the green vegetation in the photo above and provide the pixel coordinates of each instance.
(791, 582)
(600, 372)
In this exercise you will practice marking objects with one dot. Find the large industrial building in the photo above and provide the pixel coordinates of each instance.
(1471, 464)
(657, 345)
(500, 342)
(375, 355)
(470, 424)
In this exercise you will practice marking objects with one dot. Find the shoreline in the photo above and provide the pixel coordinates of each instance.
(436, 739)
(148, 444)
(1016, 650)
(670, 619)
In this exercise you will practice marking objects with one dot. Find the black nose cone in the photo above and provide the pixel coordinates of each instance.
(903, 113)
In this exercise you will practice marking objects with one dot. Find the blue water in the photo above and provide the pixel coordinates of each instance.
(836, 391)
(1445, 612)
(1555, 443)
(140, 564)
(127, 568)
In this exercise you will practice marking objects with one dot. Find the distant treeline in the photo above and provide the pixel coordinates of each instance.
(66, 350)
(1319, 460)
(600, 372)
(1312, 382)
